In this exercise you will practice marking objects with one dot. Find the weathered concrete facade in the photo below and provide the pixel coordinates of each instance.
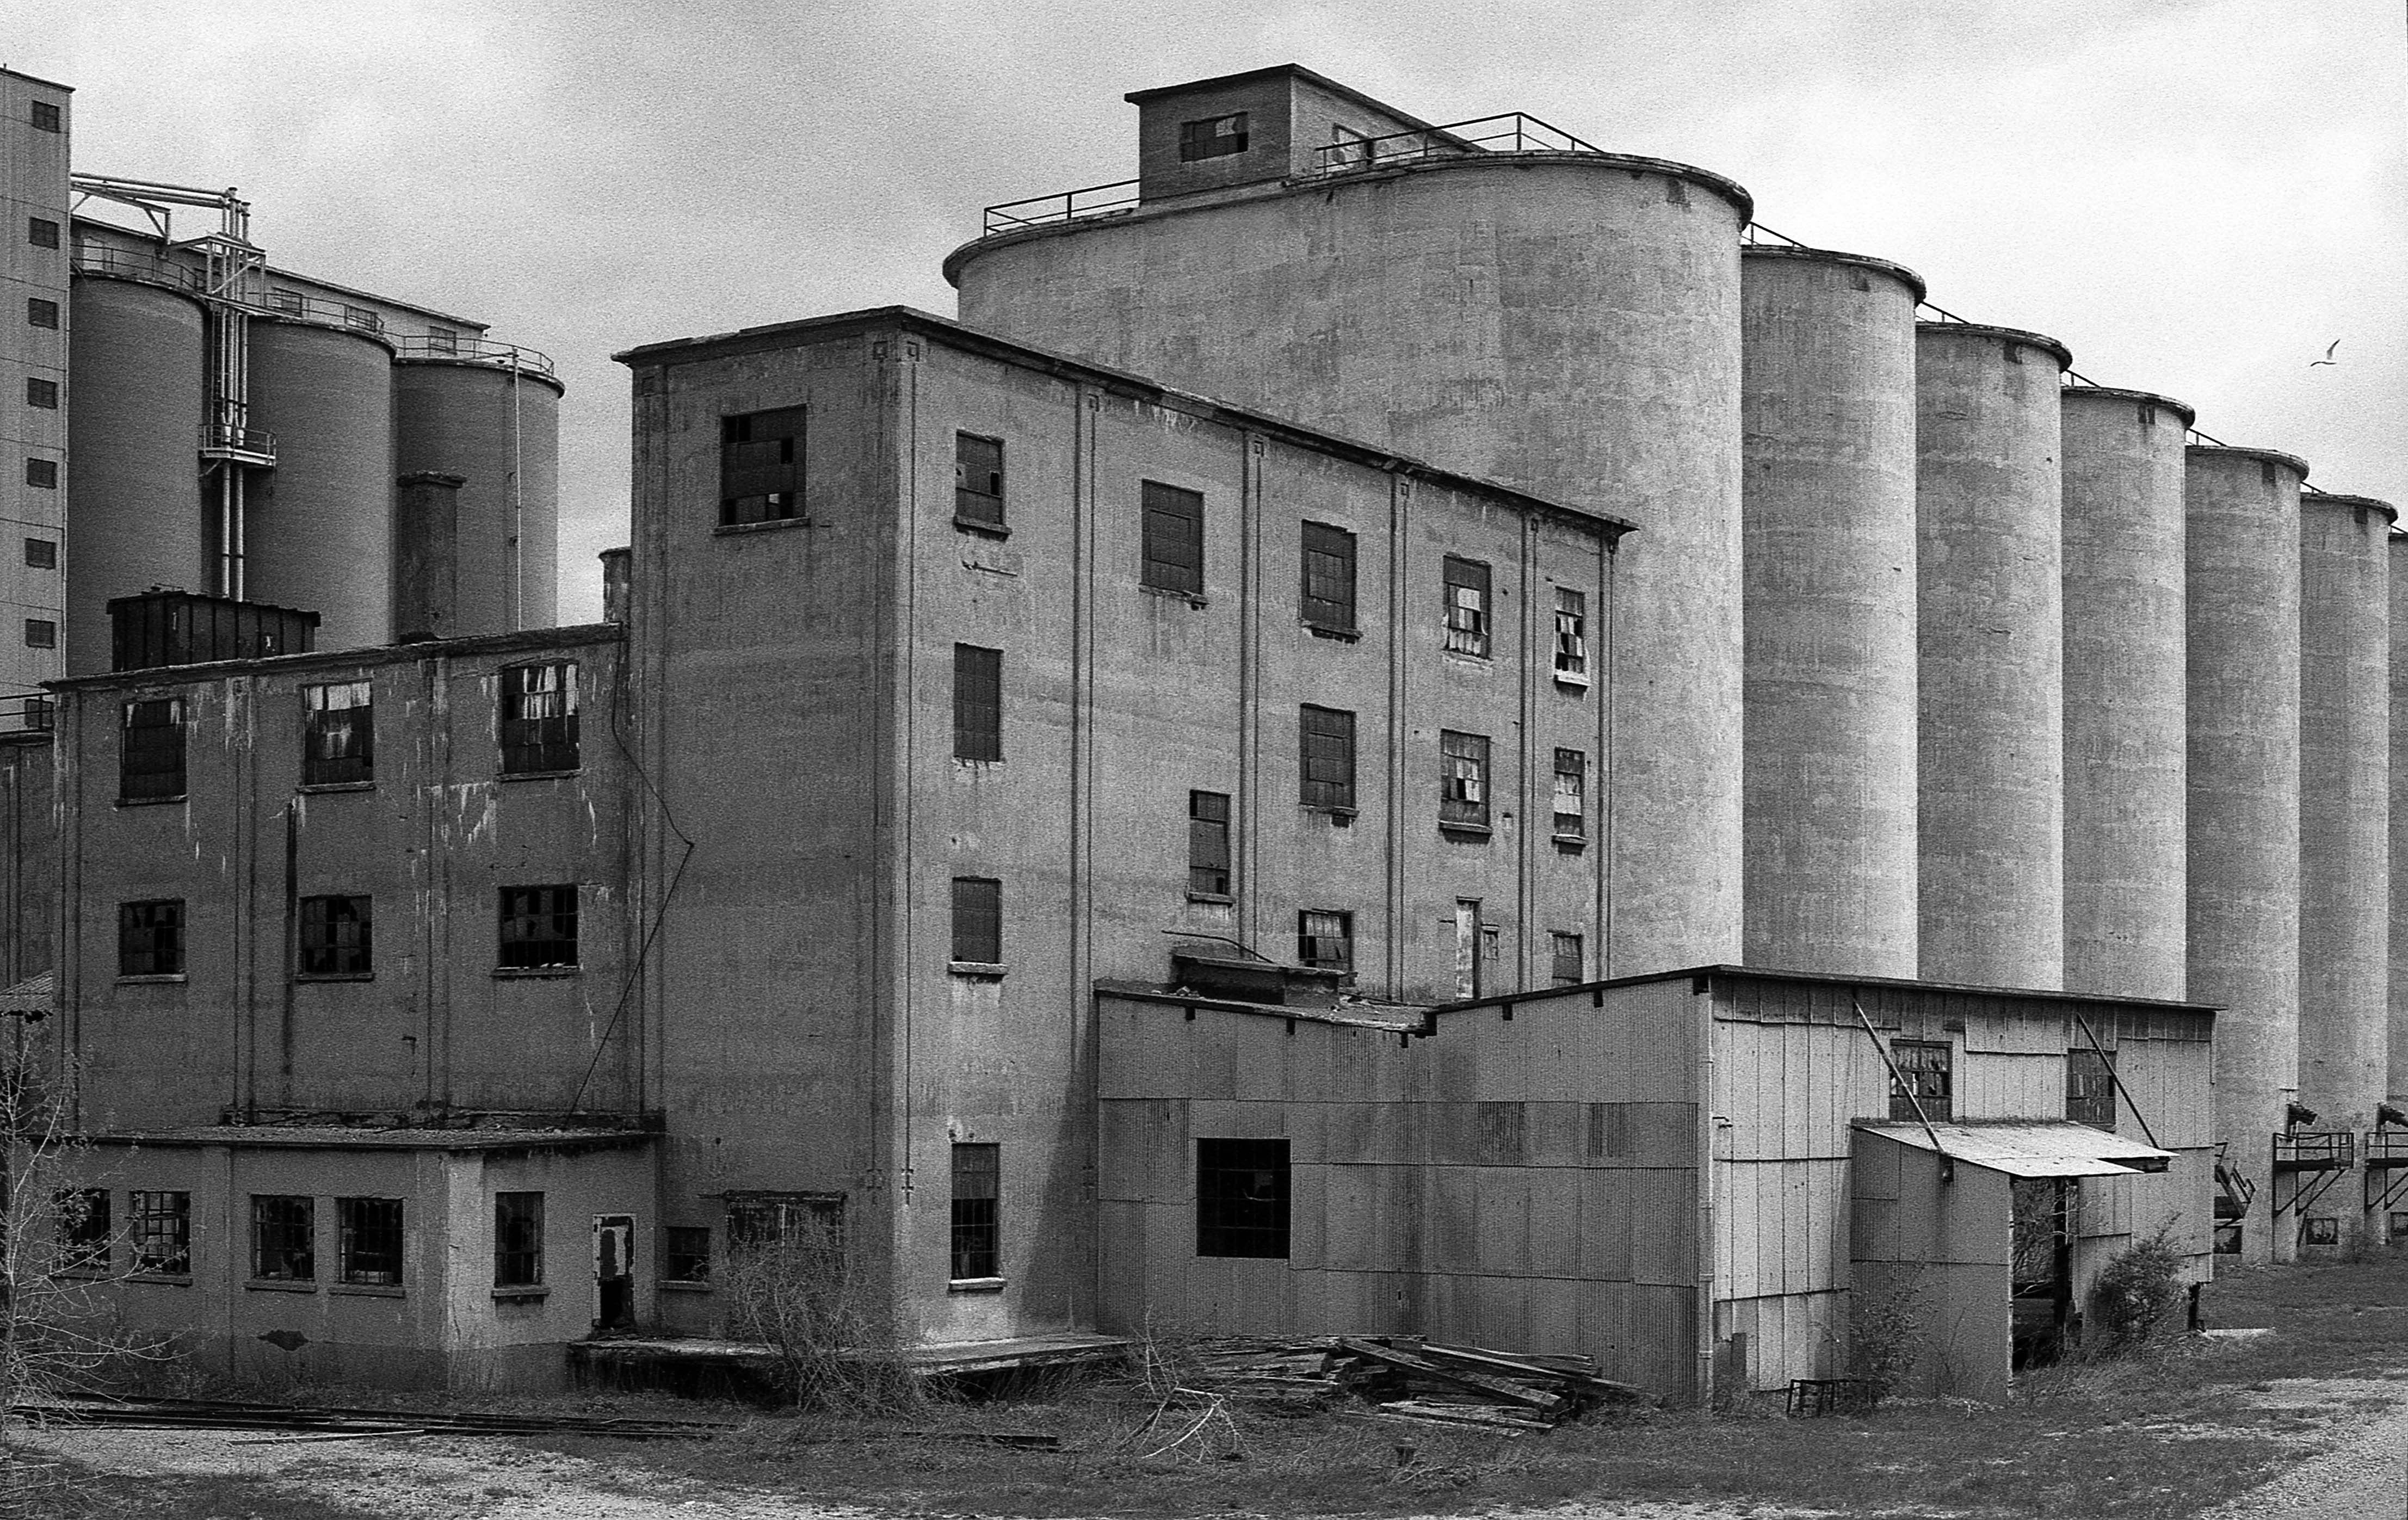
(2398, 1000)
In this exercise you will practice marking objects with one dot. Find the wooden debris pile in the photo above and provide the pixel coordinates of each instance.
(1411, 1379)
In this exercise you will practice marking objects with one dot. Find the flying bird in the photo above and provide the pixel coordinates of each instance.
(2327, 359)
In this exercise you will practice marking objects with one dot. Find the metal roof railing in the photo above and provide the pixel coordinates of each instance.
(293, 305)
(139, 264)
(465, 348)
(1070, 204)
(1515, 132)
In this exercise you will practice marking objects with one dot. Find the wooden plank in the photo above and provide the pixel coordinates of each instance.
(1501, 1388)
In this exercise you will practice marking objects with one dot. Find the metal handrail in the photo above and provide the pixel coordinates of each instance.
(1514, 132)
(475, 351)
(1039, 210)
(294, 305)
(132, 264)
(227, 437)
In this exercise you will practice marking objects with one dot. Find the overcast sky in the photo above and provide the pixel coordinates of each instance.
(2197, 196)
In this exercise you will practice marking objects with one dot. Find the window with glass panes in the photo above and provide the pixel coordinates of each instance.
(978, 480)
(1571, 635)
(338, 733)
(151, 937)
(518, 1239)
(539, 718)
(1328, 596)
(1572, 795)
(977, 920)
(1207, 844)
(1173, 538)
(978, 703)
(335, 936)
(977, 1205)
(2090, 1087)
(1467, 606)
(150, 750)
(538, 928)
(160, 1224)
(761, 466)
(1324, 940)
(369, 1241)
(1463, 795)
(283, 1237)
(1926, 1078)
(1325, 737)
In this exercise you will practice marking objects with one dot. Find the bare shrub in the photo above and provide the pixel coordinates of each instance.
(2137, 1294)
(791, 1286)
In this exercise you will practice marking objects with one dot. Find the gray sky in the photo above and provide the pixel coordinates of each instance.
(2197, 196)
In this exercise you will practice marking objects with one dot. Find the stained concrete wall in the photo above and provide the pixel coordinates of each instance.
(1991, 634)
(29, 857)
(33, 187)
(1827, 505)
(2125, 692)
(2344, 807)
(2243, 558)
(1567, 325)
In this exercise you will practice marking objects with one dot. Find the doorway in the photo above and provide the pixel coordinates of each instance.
(614, 1272)
(2043, 1270)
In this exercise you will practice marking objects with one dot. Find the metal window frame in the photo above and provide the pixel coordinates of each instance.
(1238, 1222)
(976, 1217)
(780, 482)
(518, 1239)
(293, 1237)
(1936, 1104)
(1463, 777)
(2096, 1108)
(973, 503)
(537, 907)
(1334, 729)
(977, 920)
(1467, 623)
(1571, 632)
(370, 1227)
(1311, 948)
(42, 475)
(544, 743)
(679, 1257)
(1204, 138)
(161, 1231)
(85, 1229)
(978, 703)
(1170, 518)
(333, 942)
(339, 742)
(157, 923)
(143, 771)
(1334, 614)
(1208, 869)
(1579, 963)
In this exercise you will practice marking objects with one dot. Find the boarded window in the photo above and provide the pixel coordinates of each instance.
(977, 479)
(151, 937)
(1325, 737)
(539, 718)
(1571, 636)
(1329, 600)
(1173, 539)
(977, 920)
(1572, 795)
(2090, 1088)
(42, 475)
(283, 1237)
(160, 1227)
(978, 703)
(1926, 1070)
(538, 928)
(83, 1229)
(1324, 940)
(338, 733)
(978, 1204)
(1242, 1193)
(685, 1253)
(761, 466)
(1463, 792)
(41, 313)
(1207, 844)
(1212, 136)
(41, 232)
(1467, 606)
(41, 633)
(1571, 962)
(336, 937)
(150, 755)
(368, 1244)
(518, 1239)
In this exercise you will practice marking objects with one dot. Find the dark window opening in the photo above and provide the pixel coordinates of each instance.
(810, 1221)
(1329, 600)
(1571, 633)
(518, 1239)
(42, 475)
(151, 937)
(1325, 737)
(1173, 539)
(686, 1254)
(539, 718)
(45, 117)
(1571, 963)
(977, 920)
(1926, 1070)
(1324, 940)
(83, 1229)
(977, 479)
(41, 232)
(1467, 606)
(978, 703)
(338, 733)
(1242, 1193)
(538, 928)
(761, 466)
(335, 936)
(41, 393)
(283, 1239)
(150, 755)
(161, 1229)
(1463, 795)
(978, 1202)
(1214, 136)
(2090, 1088)
(41, 633)
(42, 553)
(369, 1241)
(1207, 843)
(40, 312)
(1572, 795)
(2322, 1229)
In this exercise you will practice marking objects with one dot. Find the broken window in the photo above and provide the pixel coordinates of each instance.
(369, 1241)
(151, 937)
(978, 703)
(808, 1221)
(538, 928)
(518, 1239)
(1173, 539)
(977, 920)
(1324, 940)
(761, 466)
(335, 936)
(539, 718)
(150, 750)
(1326, 763)
(685, 1252)
(1570, 964)
(1571, 636)
(1329, 599)
(1925, 1070)
(1463, 788)
(83, 1229)
(283, 1230)
(978, 1187)
(160, 1225)
(1467, 606)
(338, 733)
(1572, 795)
(1212, 136)
(1468, 947)
(978, 480)
(1207, 844)
(1241, 1192)
(2090, 1088)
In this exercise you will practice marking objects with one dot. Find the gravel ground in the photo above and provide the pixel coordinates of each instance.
(2361, 1475)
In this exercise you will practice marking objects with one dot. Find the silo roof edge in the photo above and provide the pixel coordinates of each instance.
(1832, 255)
(2006, 334)
(2271, 456)
(2154, 398)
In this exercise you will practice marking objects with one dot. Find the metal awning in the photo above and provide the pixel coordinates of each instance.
(2030, 1147)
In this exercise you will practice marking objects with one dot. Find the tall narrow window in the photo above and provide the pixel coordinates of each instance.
(1571, 962)
(539, 718)
(151, 937)
(338, 733)
(1324, 940)
(761, 466)
(1328, 602)
(1467, 606)
(518, 1239)
(1327, 739)
(1207, 844)
(977, 920)
(161, 1224)
(1241, 1197)
(83, 1229)
(368, 1247)
(1463, 795)
(1925, 1076)
(538, 928)
(150, 754)
(978, 1202)
(1467, 948)
(1173, 539)
(1212, 136)
(1571, 637)
(2090, 1087)
(1572, 795)
(335, 936)
(41, 313)
(978, 703)
(283, 1237)
(978, 480)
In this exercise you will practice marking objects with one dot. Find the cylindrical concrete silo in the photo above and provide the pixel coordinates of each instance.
(2344, 808)
(2242, 556)
(499, 429)
(135, 364)
(1564, 322)
(1827, 534)
(2398, 1063)
(320, 535)
(2125, 692)
(1990, 636)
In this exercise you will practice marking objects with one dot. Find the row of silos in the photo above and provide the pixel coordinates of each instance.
(347, 415)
